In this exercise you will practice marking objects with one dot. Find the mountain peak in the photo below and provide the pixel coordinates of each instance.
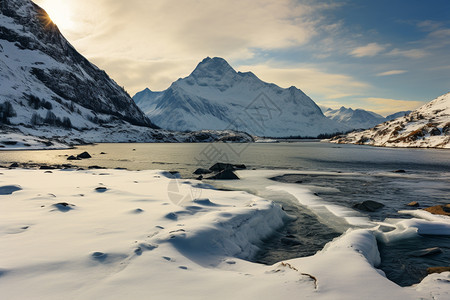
(215, 67)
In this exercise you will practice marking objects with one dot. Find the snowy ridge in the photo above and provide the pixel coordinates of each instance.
(215, 96)
(427, 126)
(355, 119)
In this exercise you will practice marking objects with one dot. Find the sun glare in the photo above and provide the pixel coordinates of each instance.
(59, 12)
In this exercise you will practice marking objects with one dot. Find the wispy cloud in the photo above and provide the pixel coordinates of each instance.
(371, 49)
(391, 72)
(385, 106)
(411, 53)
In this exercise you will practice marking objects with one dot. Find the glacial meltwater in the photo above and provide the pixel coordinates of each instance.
(338, 175)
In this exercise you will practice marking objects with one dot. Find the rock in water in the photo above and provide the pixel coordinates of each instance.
(84, 155)
(432, 270)
(439, 210)
(414, 204)
(200, 171)
(225, 174)
(368, 205)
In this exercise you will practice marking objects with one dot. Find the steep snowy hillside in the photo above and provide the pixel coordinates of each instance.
(215, 96)
(44, 80)
(427, 126)
(355, 119)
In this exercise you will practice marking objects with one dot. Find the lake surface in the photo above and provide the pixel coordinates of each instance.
(339, 174)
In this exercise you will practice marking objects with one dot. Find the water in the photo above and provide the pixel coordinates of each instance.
(344, 175)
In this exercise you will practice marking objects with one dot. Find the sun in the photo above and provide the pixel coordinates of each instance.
(59, 11)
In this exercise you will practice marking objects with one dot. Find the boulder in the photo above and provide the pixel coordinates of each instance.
(200, 171)
(439, 210)
(399, 171)
(47, 168)
(73, 158)
(14, 165)
(432, 270)
(368, 205)
(218, 167)
(413, 204)
(225, 174)
(84, 155)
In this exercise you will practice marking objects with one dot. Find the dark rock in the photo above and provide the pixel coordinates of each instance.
(84, 155)
(439, 210)
(202, 171)
(14, 165)
(399, 171)
(101, 189)
(299, 181)
(218, 167)
(199, 177)
(73, 158)
(102, 153)
(224, 175)
(413, 204)
(67, 166)
(10, 143)
(368, 205)
(48, 172)
(432, 270)
(96, 167)
(426, 252)
(47, 168)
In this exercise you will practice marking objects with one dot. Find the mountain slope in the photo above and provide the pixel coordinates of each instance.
(427, 126)
(356, 119)
(45, 80)
(215, 96)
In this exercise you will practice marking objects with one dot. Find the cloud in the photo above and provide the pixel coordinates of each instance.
(412, 53)
(392, 72)
(371, 49)
(180, 29)
(385, 106)
(316, 83)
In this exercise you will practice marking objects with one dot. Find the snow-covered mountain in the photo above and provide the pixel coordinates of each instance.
(427, 126)
(397, 115)
(355, 119)
(49, 90)
(215, 96)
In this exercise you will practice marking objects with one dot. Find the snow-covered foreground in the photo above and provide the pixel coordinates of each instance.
(116, 234)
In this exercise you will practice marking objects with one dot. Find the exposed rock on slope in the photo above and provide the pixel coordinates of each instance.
(427, 126)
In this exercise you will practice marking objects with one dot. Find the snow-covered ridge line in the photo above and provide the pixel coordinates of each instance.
(426, 127)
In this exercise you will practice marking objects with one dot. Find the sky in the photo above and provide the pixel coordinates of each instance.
(383, 55)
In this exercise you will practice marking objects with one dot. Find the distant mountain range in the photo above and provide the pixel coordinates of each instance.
(359, 118)
(427, 126)
(48, 89)
(215, 96)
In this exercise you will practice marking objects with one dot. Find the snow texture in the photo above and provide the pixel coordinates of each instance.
(150, 235)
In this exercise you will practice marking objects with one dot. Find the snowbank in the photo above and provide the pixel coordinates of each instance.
(115, 234)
